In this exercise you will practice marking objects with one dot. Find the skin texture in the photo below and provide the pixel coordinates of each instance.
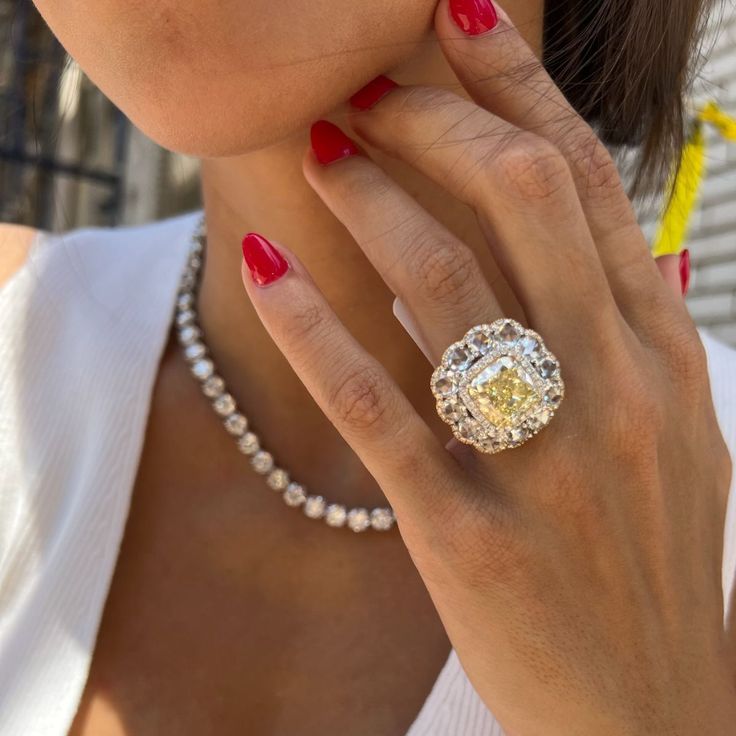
(244, 63)
(558, 569)
(15, 242)
(218, 592)
(211, 619)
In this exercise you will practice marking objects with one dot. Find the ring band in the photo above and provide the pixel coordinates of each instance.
(498, 386)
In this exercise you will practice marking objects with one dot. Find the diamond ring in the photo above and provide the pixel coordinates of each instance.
(498, 386)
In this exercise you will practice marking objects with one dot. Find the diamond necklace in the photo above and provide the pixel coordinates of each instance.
(213, 387)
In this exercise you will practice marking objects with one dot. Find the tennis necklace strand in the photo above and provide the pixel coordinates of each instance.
(213, 386)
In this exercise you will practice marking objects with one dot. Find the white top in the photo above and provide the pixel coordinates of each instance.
(82, 328)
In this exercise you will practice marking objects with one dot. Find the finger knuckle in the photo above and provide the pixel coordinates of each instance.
(635, 416)
(360, 399)
(639, 397)
(566, 495)
(687, 358)
(531, 168)
(365, 182)
(404, 115)
(596, 171)
(304, 323)
(481, 544)
(446, 272)
(421, 99)
(722, 462)
(635, 270)
(676, 343)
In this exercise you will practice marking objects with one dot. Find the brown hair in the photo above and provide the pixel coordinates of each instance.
(627, 66)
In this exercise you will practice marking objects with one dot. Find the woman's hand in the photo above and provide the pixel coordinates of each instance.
(578, 576)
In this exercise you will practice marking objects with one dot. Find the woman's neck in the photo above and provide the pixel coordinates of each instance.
(264, 191)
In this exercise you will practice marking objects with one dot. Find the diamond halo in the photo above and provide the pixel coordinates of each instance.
(498, 386)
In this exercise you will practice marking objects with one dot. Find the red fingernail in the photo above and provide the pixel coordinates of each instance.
(685, 271)
(474, 16)
(330, 144)
(265, 263)
(376, 90)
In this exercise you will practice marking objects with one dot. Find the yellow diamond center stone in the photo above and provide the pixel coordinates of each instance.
(502, 391)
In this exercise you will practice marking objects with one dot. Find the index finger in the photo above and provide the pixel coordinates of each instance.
(356, 393)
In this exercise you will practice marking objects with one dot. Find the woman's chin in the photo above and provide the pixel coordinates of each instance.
(232, 132)
(220, 123)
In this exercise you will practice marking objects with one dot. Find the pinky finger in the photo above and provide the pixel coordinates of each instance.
(351, 387)
(675, 271)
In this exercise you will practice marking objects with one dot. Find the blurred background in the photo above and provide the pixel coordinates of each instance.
(69, 158)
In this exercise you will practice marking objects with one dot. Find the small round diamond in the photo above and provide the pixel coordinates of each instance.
(184, 318)
(529, 346)
(336, 515)
(467, 429)
(213, 387)
(553, 397)
(185, 300)
(481, 341)
(236, 424)
(458, 358)
(359, 520)
(547, 368)
(188, 280)
(508, 333)
(195, 351)
(452, 411)
(443, 384)
(189, 334)
(203, 369)
(195, 262)
(540, 418)
(534, 423)
(314, 507)
(382, 519)
(249, 444)
(262, 462)
(491, 445)
(516, 435)
(224, 405)
(278, 479)
(295, 495)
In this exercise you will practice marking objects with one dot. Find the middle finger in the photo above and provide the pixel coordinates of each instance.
(524, 194)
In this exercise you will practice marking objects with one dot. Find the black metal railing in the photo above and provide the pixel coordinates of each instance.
(32, 65)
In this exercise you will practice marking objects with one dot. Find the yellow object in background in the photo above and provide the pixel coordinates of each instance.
(725, 124)
(673, 224)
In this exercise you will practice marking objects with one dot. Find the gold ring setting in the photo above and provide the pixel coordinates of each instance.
(498, 386)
